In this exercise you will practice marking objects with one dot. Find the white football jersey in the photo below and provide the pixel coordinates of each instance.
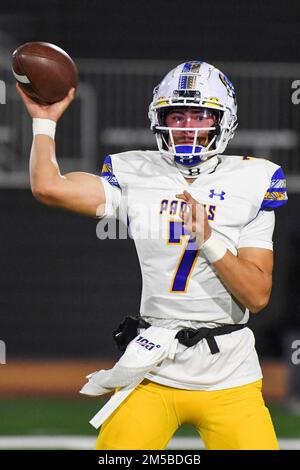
(180, 287)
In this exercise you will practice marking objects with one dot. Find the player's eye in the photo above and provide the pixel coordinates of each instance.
(173, 119)
(200, 116)
(177, 117)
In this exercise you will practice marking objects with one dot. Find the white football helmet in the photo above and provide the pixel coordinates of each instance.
(201, 85)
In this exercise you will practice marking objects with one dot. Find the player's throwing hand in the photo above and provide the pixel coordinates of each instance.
(51, 111)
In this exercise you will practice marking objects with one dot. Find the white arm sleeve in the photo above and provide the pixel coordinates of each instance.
(112, 199)
(259, 232)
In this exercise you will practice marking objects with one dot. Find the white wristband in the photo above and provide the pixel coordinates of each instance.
(43, 126)
(214, 248)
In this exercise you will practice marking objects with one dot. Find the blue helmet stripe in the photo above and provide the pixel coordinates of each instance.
(182, 84)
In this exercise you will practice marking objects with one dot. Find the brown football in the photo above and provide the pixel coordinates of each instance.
(44, 71)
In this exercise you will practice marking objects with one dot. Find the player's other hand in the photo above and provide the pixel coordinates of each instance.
(195, 218)
(52, 111)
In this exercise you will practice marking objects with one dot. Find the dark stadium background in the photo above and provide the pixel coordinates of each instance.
(63, 291)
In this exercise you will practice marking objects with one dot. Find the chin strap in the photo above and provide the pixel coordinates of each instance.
(206, 167)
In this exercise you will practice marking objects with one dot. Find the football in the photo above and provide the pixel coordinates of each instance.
(44, 71)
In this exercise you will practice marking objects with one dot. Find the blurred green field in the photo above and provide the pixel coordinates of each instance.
(64, 416)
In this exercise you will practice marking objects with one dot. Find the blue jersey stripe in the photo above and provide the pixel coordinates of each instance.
(108, 174)
(276, 194)
(270, 205)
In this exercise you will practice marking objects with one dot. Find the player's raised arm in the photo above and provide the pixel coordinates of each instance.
(79, 192)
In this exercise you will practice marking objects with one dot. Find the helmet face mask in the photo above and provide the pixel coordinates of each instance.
(185, 141)
(194, 86)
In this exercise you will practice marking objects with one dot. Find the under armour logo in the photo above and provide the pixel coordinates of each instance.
(220, 195)
(194, 172)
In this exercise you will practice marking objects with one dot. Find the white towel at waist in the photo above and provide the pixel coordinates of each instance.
(146, 351)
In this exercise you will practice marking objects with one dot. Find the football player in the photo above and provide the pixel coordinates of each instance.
(206, 265)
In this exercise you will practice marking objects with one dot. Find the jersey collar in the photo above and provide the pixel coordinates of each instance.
(202, 168)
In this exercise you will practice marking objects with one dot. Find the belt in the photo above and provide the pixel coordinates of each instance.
(127, 331)
(189, 337)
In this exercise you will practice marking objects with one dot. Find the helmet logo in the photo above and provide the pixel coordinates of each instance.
(227, 83)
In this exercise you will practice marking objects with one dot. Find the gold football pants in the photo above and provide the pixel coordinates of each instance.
(234, 418)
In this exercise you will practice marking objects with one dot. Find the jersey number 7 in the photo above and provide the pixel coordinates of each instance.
(188, 257)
